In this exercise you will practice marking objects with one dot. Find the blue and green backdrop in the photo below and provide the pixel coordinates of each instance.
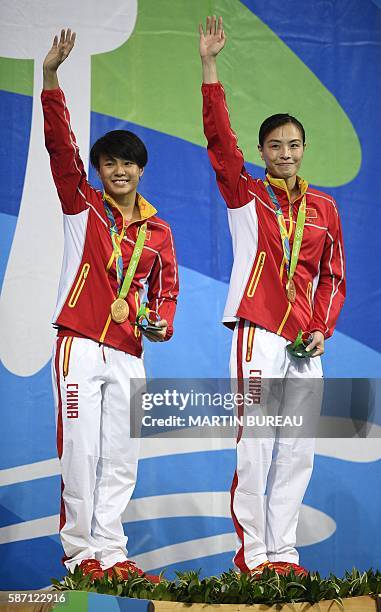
(319, 60)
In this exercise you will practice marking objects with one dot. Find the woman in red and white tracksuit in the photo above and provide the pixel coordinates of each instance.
(267, 308)
(98, 351)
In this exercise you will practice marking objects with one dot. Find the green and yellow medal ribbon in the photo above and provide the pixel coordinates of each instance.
(291, 258)
(125, 284)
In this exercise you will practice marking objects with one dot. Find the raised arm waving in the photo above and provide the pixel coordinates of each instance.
(59, 51)
(212, 41)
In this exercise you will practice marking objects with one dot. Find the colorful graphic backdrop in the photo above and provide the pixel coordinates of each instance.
(139, 69)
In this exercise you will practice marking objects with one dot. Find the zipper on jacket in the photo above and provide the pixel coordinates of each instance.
(137, 304)
(66, 359)
(281, 326)
(79, 286)
(309, 295)
(256, 274)
(250, 338)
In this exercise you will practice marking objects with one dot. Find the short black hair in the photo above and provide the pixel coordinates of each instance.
(122, 144)
(275, 121)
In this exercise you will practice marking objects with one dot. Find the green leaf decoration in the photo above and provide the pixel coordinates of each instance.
(232, 587)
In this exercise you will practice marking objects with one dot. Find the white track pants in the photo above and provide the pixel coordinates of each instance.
(276, 465)
(98, 458)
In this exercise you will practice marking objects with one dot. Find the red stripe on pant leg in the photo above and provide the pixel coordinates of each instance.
(239, 558)
(62, 507)
(59, 438)
(240, 381)
(59, 424)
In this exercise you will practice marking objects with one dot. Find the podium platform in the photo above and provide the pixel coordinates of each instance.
(83, 601)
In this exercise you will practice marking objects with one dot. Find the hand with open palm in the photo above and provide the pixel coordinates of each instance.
(213, 40)
(57, 54)
(59, 51)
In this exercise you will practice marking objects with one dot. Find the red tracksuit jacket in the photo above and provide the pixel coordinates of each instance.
(88, 283)
(257, 289)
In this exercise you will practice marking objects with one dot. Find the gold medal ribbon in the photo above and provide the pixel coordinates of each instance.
(119, 308)
(135, 257)
(291, 259)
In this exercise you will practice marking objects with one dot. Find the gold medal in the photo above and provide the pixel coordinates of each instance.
(119, 310)
(291, 291)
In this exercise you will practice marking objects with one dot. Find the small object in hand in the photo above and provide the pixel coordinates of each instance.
(299, 347)
(147, 320)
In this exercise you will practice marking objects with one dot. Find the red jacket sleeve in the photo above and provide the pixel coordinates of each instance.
(224, 153)
(163, 283)
(330, 292)
(67, 168)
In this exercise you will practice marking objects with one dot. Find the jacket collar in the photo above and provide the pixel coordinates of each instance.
(145, 208)
(281, 184)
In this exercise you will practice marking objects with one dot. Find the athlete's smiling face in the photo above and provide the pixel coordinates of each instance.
(119, 176)
(282, 151)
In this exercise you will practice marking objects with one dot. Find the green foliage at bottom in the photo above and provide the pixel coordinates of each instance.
(232, 587)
